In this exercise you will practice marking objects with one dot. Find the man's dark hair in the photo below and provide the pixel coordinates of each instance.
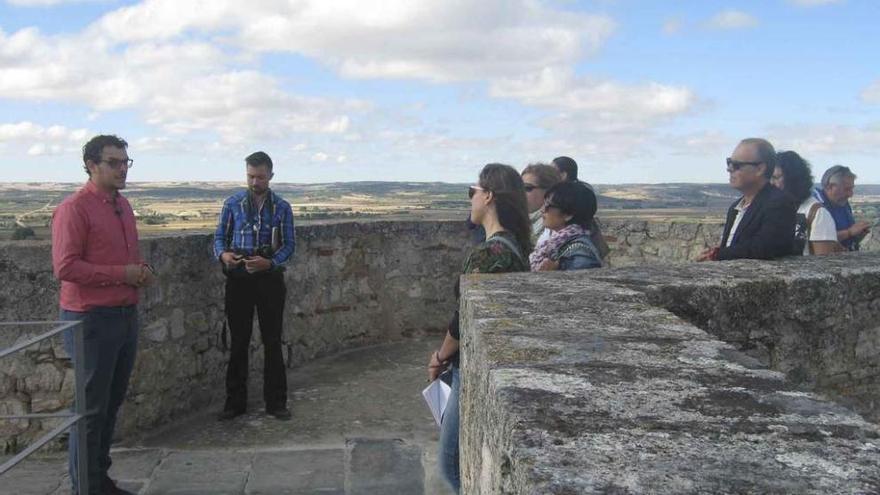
(92, 149)
(766, 154)
(567, 165)
(797, 178)
(575, 199)
(258, 159)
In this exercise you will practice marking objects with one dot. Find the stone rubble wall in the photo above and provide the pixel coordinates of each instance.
(634, 242)
(349, 285)
(621, 380)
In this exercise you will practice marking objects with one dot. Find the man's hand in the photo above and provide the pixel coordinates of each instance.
(230, 259)
(708, 255)
(549, 265)
(133, 274)
(147, 276)
(859, 228)
(255, 264)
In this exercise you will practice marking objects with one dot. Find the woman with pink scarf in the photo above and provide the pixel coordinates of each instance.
(568, 211)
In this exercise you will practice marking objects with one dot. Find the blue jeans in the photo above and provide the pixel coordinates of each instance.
(449, 436)
(110, 344)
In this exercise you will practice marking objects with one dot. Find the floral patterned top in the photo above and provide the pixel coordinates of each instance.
(491, 256)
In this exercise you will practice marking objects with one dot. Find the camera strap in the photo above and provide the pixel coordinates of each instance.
(256, 217)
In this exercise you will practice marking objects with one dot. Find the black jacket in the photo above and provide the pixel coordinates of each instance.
(765, 231)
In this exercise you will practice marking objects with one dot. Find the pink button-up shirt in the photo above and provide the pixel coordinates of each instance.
(93, 238)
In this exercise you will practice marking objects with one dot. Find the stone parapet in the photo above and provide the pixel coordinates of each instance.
(673, 378)
(349, 285)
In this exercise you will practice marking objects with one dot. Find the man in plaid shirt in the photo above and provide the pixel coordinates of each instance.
(254, 240)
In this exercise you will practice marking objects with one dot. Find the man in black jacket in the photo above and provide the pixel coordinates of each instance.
(760, 224)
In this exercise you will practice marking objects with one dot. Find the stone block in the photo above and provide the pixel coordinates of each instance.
(298, 472)
(379, 467)
(178, 329)
(157, 331)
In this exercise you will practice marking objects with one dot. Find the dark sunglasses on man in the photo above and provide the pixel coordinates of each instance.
(734, 165)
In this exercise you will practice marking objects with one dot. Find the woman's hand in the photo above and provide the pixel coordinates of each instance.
(548, 265)
(435, 366)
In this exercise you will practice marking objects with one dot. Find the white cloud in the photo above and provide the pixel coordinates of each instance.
(320, 157)
(731, 19)
(871, 94)
(711, 143)
(826, 139)
(182, 87)
(813, 3)
(430, 40)
(602, 106)
(40, 140)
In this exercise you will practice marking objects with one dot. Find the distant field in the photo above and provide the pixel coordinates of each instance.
(175, 208)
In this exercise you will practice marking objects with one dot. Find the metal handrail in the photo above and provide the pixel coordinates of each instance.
(79, 413)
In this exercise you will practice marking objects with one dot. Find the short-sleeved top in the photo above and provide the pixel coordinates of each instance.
(823, 228)
(491, 256)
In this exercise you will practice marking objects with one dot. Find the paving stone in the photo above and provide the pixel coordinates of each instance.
(381, 467)
(197, 473)
(135, 464)
(33, 476)
(298, 472)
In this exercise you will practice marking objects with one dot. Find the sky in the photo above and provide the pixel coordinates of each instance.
(637, 91)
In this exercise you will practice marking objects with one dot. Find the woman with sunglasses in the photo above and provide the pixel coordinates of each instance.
(538, 178)
(568, 211)
(498, 204)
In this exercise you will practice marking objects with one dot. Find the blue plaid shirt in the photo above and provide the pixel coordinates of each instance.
(242, 230)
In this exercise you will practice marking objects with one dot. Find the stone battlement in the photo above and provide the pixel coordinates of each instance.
(350, 285)
(674, 378)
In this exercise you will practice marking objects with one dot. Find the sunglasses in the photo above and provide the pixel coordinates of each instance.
(733, 165)
(474, 189)
(547, 205)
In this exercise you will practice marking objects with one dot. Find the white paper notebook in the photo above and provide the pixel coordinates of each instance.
(437, 395)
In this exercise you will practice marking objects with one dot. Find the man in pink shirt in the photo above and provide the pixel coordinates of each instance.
(95, 255)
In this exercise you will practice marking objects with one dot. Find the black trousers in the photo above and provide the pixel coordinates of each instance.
(266, 292)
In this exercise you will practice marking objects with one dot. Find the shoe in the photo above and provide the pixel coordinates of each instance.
(228, 414)
(109, 488)
(281, 413)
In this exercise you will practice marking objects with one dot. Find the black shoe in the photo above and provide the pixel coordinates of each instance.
(281, 413)
(228, 414)
(109, 488)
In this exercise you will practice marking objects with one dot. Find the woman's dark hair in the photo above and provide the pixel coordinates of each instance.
(575, 199)
(506, 185)
(796, 175)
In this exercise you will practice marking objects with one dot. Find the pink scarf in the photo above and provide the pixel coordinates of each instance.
(557, 239)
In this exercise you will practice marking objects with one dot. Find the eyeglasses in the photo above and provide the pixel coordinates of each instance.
(473, 190)
(733, 165)
(116, 164)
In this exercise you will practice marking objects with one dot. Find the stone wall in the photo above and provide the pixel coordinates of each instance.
(620, 381)
(349, 285)
(634, 242)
